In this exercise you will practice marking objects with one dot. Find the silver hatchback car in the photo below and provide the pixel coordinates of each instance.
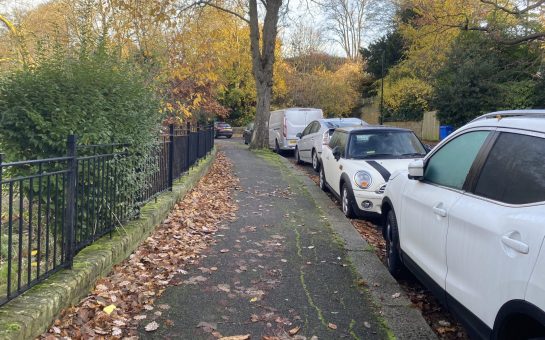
(316, 134)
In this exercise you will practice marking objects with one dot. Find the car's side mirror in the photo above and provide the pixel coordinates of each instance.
(336, 152)
(416, 170)
(299, 135)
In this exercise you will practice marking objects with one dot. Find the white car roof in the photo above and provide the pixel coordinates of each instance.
(533, 120)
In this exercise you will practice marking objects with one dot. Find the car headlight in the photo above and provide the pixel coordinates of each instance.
(363, 179)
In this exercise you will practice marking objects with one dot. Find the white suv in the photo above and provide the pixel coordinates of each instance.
(469, 222)
(315, 135)
(357, 163)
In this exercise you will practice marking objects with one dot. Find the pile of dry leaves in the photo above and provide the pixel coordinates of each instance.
(113, 309)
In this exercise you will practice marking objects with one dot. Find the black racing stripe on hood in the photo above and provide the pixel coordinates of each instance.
(382, 170)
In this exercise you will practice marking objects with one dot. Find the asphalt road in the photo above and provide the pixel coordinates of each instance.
(289, 262)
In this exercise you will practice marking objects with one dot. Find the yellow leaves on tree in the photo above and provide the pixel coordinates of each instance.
(334, 91)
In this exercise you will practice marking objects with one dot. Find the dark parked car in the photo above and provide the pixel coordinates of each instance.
(223, 129)
(247, 133)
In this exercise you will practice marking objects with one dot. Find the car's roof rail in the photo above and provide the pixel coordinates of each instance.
(511, 113)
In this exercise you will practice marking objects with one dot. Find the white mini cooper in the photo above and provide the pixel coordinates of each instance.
(357, 163)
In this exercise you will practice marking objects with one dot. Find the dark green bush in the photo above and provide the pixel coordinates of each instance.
(481, 76)
(98, 98)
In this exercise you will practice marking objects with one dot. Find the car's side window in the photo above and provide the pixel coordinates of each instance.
(315, 127)
(306, 130)
(513, 172)
(343, 138)
(450, 165)
(334, 141)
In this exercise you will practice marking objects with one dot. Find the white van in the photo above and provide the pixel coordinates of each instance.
(284, 125)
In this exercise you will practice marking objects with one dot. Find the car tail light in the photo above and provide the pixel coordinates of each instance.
(285, 130)
(325, 138)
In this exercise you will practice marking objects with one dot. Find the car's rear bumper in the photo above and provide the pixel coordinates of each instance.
(289, 144)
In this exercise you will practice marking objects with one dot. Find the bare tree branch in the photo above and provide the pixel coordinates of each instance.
(213, 5)
(514, 10)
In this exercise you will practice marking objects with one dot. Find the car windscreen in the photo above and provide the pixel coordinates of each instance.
(385, 144)
(224, 125)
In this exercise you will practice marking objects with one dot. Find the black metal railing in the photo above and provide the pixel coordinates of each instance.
(52, 208)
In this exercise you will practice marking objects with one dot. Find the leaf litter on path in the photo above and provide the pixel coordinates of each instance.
(138, 281)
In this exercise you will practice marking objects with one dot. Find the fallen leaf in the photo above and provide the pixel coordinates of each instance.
(444, 323)
(332, 325)
(207, 326)
(254, 299)
(294, 331)
(116, 331)
(152, 326)
(366, 324)
(224, 251)
(236, 337)
(140, 317)
(254, 318)
(396, 295)
(109, 309)
(224, 287)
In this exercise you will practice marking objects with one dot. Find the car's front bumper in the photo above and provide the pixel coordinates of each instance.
(224, 133)
(368, 201)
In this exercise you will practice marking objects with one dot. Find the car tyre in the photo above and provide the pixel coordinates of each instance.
(347, 201)
(246, 140)
(323, 183)
(298, 156)
(393, 249)
(315, 161)
(276, 147)
(229, 136)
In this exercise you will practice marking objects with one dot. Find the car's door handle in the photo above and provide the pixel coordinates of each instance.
(516, 245)
(439, 210)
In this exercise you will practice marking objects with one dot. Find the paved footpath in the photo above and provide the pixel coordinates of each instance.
(280, 266)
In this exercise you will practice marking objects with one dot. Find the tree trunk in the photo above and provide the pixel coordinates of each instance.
(260, 138)
(263, 46)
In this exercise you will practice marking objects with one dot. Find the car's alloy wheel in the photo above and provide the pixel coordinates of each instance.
(297, 156)
(346, 202)
(315, 162)
(323, 183)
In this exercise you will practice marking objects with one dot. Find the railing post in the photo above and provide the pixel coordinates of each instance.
(187, 146)
(198, 143)
(212, 140)
(70, 208)
(171, 157)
